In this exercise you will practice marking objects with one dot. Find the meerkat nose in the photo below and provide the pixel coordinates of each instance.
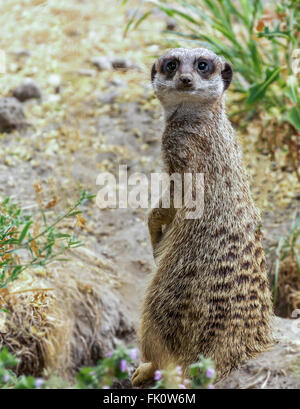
(186, 79)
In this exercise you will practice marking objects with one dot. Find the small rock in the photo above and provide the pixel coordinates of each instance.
(102, 63)
(21, 53)
(87, 73)
(122, 63)
(11, 115)
(109, 97)
(105, 63)
(116, 82)
(29, 89)
(171, 24)
(53, 98)
(55, 81)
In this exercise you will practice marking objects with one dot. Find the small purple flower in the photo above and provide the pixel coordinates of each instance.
(178, 370)
(210, 386)
(186, 382)
(39, 382)
(181, 386)
(123, 365)
(105, 387)
(157, 375)
(6, 378)
(133, 353)
(210, 373)
(109, 355)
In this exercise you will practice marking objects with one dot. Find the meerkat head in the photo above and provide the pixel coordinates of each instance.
(190, 76)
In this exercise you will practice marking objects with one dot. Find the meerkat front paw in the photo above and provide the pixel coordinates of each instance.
(142, 374)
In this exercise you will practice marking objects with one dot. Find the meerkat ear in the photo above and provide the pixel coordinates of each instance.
(226, 75)
(153, 72)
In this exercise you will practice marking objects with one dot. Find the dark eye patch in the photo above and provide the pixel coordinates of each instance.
(170, 66)
(204, 67)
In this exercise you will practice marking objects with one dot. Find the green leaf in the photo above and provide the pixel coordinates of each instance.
(74, 213)
(24, 231)
(274, 34)
(255, 57)
(293, 117)
(199, 11)
(171, 13)
(44, 217)
(25, 382)
(16, 272)
(140, 20)
(292, 89)
(257, 91)
(133, 19)
(227, 33)
(6, 359)
(211, 4)
(237, 13)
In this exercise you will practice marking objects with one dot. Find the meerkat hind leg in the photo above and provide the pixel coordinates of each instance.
(142, 374)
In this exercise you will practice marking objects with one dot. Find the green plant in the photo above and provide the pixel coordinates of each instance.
(8, 379)
(259, 39)
(7, 361)
(201, 376)
(22, 247)
(114, 367)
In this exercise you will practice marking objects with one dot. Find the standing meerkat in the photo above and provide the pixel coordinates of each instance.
(210, 292)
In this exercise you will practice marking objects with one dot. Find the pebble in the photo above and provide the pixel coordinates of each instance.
(11, 114)
(21, 53)
(29, 89)
(102, 63)
(116, 82)
(171, 24)
(87, 73)
(55, 81)
(122, 63)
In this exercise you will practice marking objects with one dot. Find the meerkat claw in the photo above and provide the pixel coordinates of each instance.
(142, 374)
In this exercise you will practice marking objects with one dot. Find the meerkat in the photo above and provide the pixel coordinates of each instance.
(209, 295)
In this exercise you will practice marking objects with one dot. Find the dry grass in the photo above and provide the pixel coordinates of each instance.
(34, 328)
(58, 321)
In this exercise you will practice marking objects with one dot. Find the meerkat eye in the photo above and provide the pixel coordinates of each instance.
(202, 66)
(171, 65)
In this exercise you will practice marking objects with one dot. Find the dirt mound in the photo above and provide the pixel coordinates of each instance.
(62, 321)
(278, 368)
